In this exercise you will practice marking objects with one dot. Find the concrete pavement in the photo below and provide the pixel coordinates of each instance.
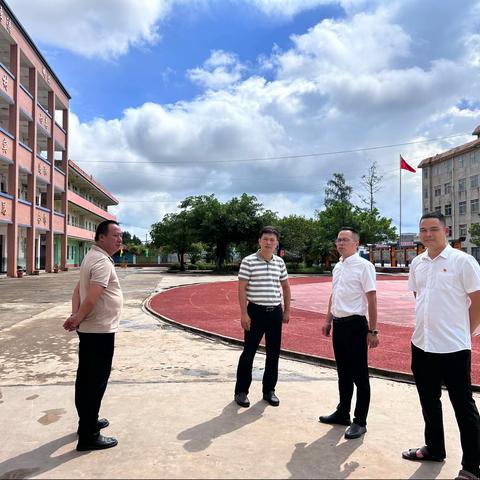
(170, 402)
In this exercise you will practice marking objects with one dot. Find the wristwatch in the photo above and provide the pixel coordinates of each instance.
(373, 332)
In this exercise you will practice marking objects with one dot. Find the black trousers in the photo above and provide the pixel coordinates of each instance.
(351, 354)
(95, 354)
(263, 322)
(453, 369)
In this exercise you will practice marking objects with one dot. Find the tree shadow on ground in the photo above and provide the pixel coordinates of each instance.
(230, 419)
(39, 460)
(326, 457)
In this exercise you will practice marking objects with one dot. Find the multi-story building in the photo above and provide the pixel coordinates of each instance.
(87, 207)
(451, 185)
(33, 153)
(40, 206)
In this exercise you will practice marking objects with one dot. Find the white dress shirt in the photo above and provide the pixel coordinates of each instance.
(352, 279)
(442, 303)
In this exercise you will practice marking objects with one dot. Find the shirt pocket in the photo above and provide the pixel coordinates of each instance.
(446, 281)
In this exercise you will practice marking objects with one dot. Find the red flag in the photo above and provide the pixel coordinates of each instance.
(405, 166)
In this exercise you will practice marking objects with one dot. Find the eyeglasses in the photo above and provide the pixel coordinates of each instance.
(343, 240)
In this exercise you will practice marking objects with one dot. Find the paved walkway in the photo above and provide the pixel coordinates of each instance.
(170, 402)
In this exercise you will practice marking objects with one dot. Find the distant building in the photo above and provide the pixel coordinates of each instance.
(87, 207)
(450, 185)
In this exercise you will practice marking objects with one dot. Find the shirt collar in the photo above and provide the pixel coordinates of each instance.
(101, 250)
(262, 259)
(444, 253)
(349, 259)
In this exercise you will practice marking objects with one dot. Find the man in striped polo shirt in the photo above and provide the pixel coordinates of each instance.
(261, 280)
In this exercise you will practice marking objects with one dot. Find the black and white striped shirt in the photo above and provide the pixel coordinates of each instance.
(263, 279)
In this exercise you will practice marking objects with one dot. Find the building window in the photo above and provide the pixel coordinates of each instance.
(449, 230)
(425, 172)
(476, 253)
(462, 208)
(448, 209)
(473, 159)
(463, 230)
(474, 206)
(461, 161)
(436, 170)
(437, 191)
(425, 193)
(462, 185)
(474, 181)
(438, 209)
(447, 187)
(448, 166)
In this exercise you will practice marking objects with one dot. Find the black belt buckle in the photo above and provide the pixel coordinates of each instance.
(269, 309)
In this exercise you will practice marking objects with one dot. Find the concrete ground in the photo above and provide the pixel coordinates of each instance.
(170, 404)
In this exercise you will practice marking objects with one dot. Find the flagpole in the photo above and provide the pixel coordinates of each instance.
(400, 236)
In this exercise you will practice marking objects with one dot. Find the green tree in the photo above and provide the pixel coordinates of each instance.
(174, 234)
(337, 191)
(223, 224)
(374, 228)
(474, 232)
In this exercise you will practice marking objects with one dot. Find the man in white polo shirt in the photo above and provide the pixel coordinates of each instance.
(262, 279)
(353, 296)
(446, 285)
(96, 305)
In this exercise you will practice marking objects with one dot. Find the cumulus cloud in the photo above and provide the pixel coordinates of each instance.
(345, 84)
(220, 70)
(104, 29)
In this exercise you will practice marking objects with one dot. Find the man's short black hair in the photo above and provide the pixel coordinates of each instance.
(355, 232)
(269, 229)
(438, 215)
(102, 228)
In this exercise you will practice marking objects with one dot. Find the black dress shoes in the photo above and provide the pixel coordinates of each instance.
(101, 423)
(242, 399)
(98, 442)
(354, 431)
(271, 398)
(336, 419)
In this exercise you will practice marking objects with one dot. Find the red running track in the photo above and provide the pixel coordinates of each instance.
(213, 307)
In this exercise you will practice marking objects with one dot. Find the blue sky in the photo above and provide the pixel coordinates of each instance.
(172, 98)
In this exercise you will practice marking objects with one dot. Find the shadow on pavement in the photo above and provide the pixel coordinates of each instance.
(201, 436)
(39, 460)
(428, 470)
(325, 457)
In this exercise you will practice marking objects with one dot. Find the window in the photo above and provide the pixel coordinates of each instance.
(462, 185)
(425, 193)
(447, 187)
(461, 161)
(474, 181)
(462, 208)
(436, 170)
(474, 206)
(463, 230)
(476, 253)
(448, 166)
(437, 191)
(448, 209)
(438, 209)
(449, 230)
(425, 172)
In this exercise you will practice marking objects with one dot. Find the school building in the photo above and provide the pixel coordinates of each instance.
(43, 224)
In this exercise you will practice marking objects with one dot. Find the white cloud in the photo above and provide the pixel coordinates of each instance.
(104, 29)
(220, 70)
(361, 81)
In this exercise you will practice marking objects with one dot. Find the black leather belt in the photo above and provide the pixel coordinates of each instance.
(265, 308)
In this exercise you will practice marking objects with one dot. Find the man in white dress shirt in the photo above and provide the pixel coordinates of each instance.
(446, 285)
(353, 296)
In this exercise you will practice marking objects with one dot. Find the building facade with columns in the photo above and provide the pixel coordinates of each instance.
(451, 185)
(37, 211)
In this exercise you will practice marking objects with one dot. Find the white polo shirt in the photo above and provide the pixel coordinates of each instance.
(352, 279)
(442, 304)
